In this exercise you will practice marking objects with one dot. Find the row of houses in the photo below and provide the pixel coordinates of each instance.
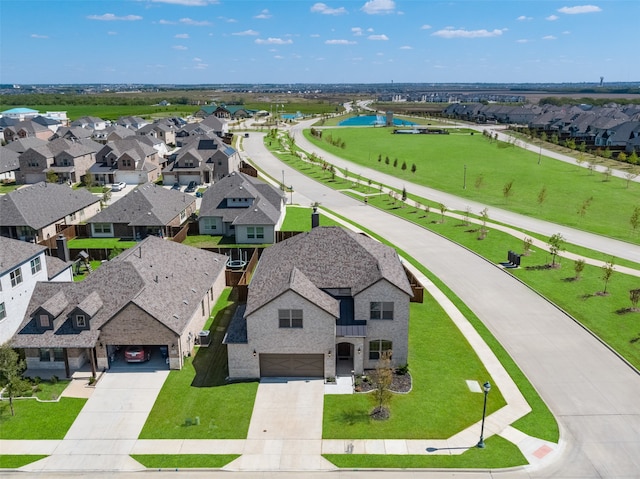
(615, 126)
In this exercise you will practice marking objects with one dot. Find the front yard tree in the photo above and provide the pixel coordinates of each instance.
(556, 244)
(635, 218)
(607, 272)
(634, 296)
(11, 367)
(381, 380)
(578, 267)
(403, 166)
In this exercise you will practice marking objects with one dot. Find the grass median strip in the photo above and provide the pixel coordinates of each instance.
(11, 461)
(184, 461)
(38, 420)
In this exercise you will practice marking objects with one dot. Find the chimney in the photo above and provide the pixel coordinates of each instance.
(62, 248)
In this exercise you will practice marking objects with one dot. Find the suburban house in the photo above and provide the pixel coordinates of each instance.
(92, 122)
(320, 304)
(9, 164)
(147, 210)
(130, 160)
(203, 160)
(22, 265)
(19, 114)
(157, 294)
(37, 212)
(112, 133)
(26, 129)
(50, 123)
(73, 133)
(219, 126)
(244, 207)
(162, 131)
(68, 159)
(132, 122)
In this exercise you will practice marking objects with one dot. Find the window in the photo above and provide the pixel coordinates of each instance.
(81, 321)
(58, 354)
(3, 311)
(104, 228)
(377, 347)
(72, 216)
(290, 318)
(16, 277)
(45, 355)
(381, 310)
(251, 232)
(260, 232)
(44, 321)
(183, 215)
(188, 163)
(35, 265)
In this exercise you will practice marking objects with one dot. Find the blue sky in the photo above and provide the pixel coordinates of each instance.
(335, 41)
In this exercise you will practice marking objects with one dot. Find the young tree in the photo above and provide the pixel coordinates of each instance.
(404, 194)
(543, 136)
(386, 160)
(635, 218)
(507, 190)
(622, 156)
(556, 244)
(381, 380)
(578, 267)
(413, 168)
(484, 214)
(634, 296)
(443, 210)
(542, 195)
(607, 173)
(51, 177)
(11, 367)
(607, 272)
(395, 162)
(582, 211)
(633, 158)
(526, 246)
(403, 167)
(554, 138)
(630, 175)
(379, 158)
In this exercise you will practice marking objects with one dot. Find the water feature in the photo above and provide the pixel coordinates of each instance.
(372, 120)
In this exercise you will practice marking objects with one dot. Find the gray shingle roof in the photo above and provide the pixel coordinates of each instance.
(166, 279)
(329, 257)
(147, 205)
(8, 160)
(14, 252)
(55, 266)
(42, 204)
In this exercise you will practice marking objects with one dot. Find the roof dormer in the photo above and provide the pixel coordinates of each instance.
(86, 309)
(50, 310)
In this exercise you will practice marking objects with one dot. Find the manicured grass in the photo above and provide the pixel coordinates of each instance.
(440, 403)
(207, 241)
(299, 219)
(184, 461)
(95, 264)
(47, 391)
(200, 390)
(441, 161)
(499, 453)
(8, 188)
(16, 461)
(100, 243)
(37, 420)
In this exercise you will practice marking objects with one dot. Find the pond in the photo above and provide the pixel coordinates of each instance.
(372, 120)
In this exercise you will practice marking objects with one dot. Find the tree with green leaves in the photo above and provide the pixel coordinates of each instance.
(633, 158)
(507, 190)
(607, 272)
(556, 244)
(395, 162)
(443, 210)
(413, 168)
(622, 156)
(634, 296)
(578, 267)
(51, 177)
(403, 167)
(582, 211)
(11, 367)
(382, 378)
(635, 218)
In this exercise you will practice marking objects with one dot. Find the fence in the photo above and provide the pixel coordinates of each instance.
(416, 288)
(180, 235)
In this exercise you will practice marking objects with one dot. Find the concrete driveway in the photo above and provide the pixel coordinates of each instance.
(105, 431)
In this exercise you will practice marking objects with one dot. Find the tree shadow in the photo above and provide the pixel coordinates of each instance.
(353, 417)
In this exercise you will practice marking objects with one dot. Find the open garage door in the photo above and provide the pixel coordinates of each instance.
(292, 365)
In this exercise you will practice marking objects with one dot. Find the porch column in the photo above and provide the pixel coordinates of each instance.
(92, 360)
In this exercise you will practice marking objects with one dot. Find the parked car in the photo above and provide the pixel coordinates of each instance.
(191, 187)
(119, 186)
(136, 354)
(176, 186)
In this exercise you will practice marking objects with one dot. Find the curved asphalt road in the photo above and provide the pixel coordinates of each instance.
(594, 395)
(613, 247)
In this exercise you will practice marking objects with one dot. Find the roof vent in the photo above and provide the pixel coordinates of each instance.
(185, 301)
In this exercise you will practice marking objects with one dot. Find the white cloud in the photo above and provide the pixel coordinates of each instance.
(450, 32)
(406, 47)
(378, 7)
(549, 37)
(522, 40)
(110, 17)
(552, 18)
(324, 9)
(166, 22)
(340, 42)
(197, 59)
(188, 3)
(246, 33)
(315, 35)
(182, 35)
(179, 47)
(112, 33)
(201, 66)
(263, 15)
(36, 35)
(523, 18)
(579, 9)
(425, 27)
(278, 57)
(357, 31)
(273, 41)
(378, 37)
(195, 23)
(566, 32)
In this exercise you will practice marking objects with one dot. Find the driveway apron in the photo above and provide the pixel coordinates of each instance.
(285, 432)
(105, 431)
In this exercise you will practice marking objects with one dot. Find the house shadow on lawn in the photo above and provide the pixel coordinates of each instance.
(210, 363)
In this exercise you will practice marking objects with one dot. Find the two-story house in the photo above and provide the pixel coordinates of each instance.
(243, 207)
(147, 210)
(321, 303)
(26, 129)
(22, 265)
(36, 212)
(158, 294)
(130, 160)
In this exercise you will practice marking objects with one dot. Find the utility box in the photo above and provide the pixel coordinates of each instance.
(204, 338)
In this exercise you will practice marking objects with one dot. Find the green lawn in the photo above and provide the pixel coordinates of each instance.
(200, 390)
(441, 161)
(499, 453)
(37, 420)
(219, 241)
(184, 461)
(16, 461)
(440, 403)
(100, 243)
(8, 188)
(299, 219)
(95, 264)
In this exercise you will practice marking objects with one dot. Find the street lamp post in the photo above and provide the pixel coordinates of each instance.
(486, 387)
(464, 178)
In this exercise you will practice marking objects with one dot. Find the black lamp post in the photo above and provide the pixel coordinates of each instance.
(486, 387)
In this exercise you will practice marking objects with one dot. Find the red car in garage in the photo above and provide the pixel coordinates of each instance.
(136, 354)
